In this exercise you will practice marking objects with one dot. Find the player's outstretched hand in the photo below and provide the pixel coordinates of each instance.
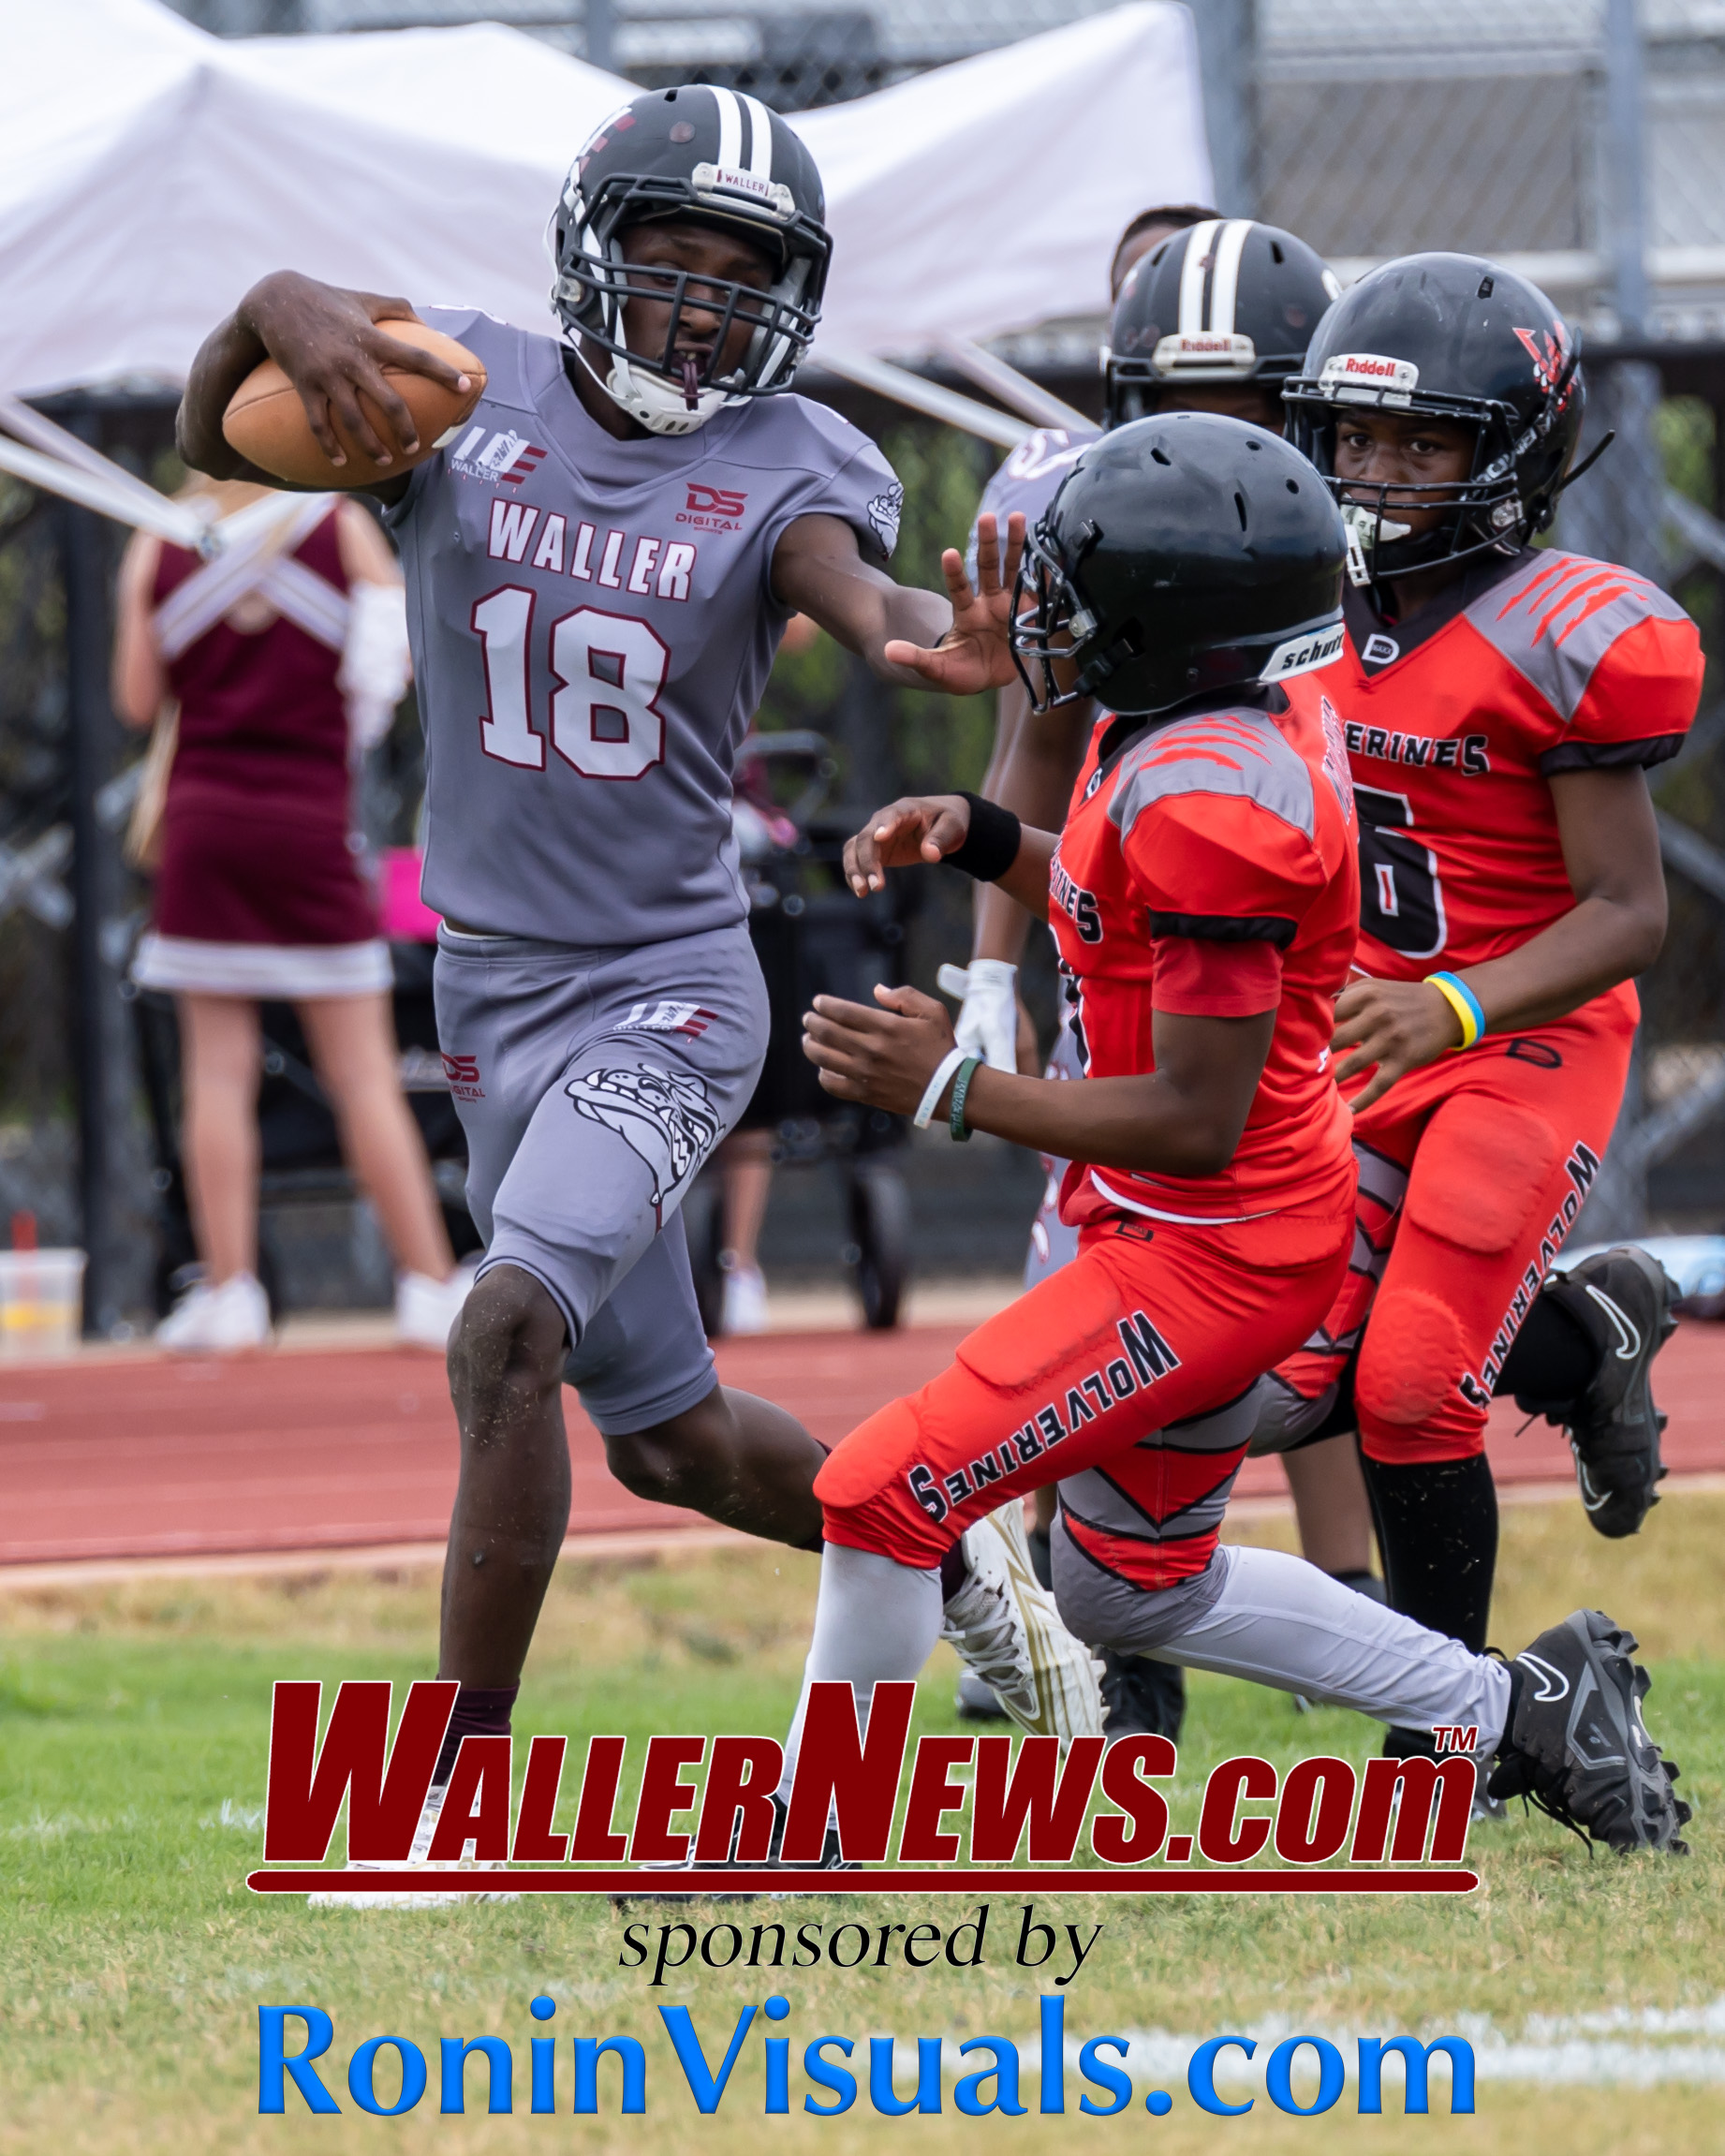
(884, 1058)
(1400, 1026)
(333, 346)
(916, 828)
(976, 653)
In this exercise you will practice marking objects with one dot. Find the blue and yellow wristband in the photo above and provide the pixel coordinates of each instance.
(1464, 1002)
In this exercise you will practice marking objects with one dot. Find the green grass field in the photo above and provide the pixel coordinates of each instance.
(133, 1959)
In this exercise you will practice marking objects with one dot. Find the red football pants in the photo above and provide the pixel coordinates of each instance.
(1134, 1361)
(1472, 1173)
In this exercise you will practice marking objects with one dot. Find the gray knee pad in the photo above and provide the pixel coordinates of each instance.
(1105, 1611)
(1285, 1421)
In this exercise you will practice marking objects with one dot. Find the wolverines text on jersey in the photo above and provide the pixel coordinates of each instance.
(1454, 722)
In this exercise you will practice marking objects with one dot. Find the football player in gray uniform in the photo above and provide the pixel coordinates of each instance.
(1211, 314)
(599, 565)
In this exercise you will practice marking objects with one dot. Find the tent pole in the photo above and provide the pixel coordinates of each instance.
(927, 397)
(1041, 407)
(601, 21)
(89, 727)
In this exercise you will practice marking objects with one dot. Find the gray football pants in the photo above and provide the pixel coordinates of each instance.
(1053, 1244)
(1251, 1612)
(592, 1084)
(1275, 1619)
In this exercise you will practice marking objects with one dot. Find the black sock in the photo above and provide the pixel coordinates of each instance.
(480, 1710)
(1438, 1529)
(954, 1570)
(1552, 1361)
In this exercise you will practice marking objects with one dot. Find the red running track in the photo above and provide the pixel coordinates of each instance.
(143, 1456)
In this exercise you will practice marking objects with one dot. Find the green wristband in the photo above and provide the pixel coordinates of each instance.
(961, 1086)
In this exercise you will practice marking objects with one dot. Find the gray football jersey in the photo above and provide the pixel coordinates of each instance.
(593, 623)
(1028, 480)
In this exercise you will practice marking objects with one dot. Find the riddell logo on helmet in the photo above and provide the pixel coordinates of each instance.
(1369, 377)
(1206, 352)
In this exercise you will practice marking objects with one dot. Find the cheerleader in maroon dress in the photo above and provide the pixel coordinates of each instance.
(259, 898)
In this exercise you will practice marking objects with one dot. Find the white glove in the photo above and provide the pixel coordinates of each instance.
(376, 667)
(987, 1026)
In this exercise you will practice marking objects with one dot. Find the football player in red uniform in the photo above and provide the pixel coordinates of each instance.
(1211, 314)
(1501, 706)
(1204, 893)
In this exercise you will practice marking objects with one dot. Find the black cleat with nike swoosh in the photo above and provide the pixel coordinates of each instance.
(1576, 1745)
(1621, 1299)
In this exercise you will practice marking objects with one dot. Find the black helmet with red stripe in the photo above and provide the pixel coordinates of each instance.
(1451, 338)
(1227, 304)
(713, 156)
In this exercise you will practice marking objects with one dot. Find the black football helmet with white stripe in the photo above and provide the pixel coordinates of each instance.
(1227, 304)
(713, 157)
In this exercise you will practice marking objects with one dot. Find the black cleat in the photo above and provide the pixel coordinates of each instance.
(1621, 1299)
(1142, 1697)
(1576, 1745)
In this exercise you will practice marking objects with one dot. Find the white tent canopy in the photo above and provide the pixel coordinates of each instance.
(149, 173)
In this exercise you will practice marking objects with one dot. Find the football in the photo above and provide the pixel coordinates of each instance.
(266, 421)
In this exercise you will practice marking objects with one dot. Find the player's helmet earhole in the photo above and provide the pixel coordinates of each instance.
(1485, 289)
(1275, 252)
(1162, 458)
(1254, 445)
(1293, 486)
(1240, 509)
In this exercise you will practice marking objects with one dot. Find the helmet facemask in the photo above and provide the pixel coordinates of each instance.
(666, 392)
(1051, 626)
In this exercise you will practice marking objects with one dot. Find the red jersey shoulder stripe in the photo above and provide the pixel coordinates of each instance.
(1556, 617)
(1227, 753)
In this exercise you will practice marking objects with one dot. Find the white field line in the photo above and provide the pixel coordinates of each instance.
(1594, 2050)
(1617, 2048)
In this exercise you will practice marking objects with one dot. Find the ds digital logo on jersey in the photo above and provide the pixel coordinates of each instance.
(713, 509)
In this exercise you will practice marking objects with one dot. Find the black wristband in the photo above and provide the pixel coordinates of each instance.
(991, 845)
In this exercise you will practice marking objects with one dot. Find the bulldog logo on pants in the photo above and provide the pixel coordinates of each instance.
(666, 1117)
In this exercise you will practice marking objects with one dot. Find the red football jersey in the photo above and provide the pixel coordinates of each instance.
(1232, 831)
(1455, 720)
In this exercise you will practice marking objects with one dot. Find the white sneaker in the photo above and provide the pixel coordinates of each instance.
(1006, 1628)
(419, 1854)
(745, 1307)
(426, 1310)
(217, 1320)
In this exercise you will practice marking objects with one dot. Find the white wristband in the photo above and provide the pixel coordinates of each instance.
(936, 1086)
